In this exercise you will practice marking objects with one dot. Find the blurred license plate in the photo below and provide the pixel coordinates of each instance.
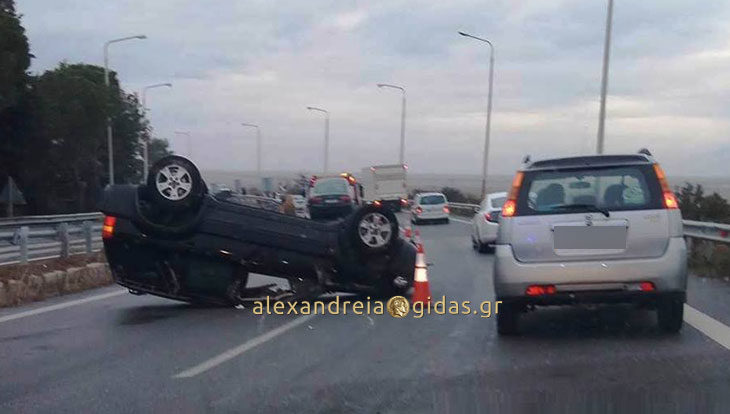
(331, 201)
(590, 237)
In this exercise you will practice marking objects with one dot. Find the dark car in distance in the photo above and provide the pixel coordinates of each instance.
(333, 197)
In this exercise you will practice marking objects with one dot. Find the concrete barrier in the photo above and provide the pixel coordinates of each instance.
(61, 282)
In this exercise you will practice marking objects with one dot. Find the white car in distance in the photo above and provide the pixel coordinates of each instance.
(485, 222)
(429, 207)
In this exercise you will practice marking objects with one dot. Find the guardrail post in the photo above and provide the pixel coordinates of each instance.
(63, 237)
(87, 236)
(23, 241)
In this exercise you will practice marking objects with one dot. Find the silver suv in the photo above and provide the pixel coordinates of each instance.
(591, 229)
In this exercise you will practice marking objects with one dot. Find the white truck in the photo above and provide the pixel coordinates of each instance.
(385, 185)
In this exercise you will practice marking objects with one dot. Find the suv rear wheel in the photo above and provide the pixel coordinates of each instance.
(508, 319)
(670, 313)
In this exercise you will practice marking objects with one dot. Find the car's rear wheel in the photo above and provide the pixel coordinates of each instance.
(670, 313)
(508, 319)
(174, 183)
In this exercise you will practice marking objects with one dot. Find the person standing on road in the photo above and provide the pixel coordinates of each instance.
(287, 205)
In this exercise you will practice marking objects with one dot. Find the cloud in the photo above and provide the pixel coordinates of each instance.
(264, 62)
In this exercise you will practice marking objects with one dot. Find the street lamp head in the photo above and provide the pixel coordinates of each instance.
(169, 85)
(141, 37)
(314, 108)
(463, 34)
(380, 85)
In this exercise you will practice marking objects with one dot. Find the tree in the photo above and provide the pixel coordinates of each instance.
(696, 206)
(158, 148)
(72, 105)
(14, 63)
(690, 198)
(715, 209)
(14, 56)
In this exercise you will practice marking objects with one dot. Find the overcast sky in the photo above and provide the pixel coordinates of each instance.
(264, 61)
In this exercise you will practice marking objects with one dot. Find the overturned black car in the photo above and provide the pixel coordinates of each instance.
(171, 238)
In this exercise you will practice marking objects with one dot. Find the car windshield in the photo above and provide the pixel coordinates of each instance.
(432, 199)
(589, 189)
(330, 186)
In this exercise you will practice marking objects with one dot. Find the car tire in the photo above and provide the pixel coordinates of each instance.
(154, 219)
(670, 314)
(373, 230)
(174, 183)
(485, 248)
(508, 319)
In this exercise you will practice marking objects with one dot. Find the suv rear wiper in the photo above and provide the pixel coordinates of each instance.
(586, 207)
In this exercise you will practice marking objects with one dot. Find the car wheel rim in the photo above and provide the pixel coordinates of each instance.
(375, 230)
(174, 182)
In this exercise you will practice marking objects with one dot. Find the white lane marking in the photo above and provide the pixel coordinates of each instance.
(460, 220)
(714, 329)
(240, 349)
(59, 306)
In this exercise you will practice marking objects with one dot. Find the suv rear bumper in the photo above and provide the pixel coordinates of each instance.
(668, 273)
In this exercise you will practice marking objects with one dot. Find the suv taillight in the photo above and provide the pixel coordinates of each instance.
(107, 229)
(669, 200)
(510, 206)
(315, 200)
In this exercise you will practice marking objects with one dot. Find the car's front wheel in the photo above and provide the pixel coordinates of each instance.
(670, 313)
(373, 229)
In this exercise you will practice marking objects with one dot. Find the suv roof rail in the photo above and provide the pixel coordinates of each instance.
(589, 160)
(526, 159)
(645, 152)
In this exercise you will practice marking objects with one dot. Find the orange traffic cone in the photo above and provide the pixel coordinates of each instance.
(421, 287)
(417, 237)
(407, 233)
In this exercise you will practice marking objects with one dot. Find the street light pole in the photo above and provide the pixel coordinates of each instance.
(604, 79)
(489, 110)
(326, 135)
(109, 137)
(401, 158)
(145, 140)
(258, 147)
(190, 145)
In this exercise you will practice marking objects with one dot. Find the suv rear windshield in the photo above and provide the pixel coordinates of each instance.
(432, 199)
(497, 202)
(330, 186)
(627, 187)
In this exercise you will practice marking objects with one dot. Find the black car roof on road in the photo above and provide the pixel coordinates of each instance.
(589, 161)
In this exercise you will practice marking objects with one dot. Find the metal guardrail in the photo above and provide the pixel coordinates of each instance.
(24, 239)
(716, 232)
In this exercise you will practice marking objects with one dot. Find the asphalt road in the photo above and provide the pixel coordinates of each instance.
(124, 353)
